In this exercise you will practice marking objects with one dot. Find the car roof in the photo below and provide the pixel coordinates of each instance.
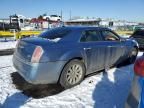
(86, 27)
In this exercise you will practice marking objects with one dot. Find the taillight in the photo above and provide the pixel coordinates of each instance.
(38, 52)
(139, 67)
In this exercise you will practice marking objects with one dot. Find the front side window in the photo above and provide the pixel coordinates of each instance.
(21, 21)
(54, 16)
(110, 36)
(90, 35)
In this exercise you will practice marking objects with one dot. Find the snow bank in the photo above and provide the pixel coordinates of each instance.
(7, 45)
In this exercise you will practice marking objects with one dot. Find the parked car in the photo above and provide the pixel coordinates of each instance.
(139, 66)
(53, 17)
(66, 54)
(138, 35)
(139, 70)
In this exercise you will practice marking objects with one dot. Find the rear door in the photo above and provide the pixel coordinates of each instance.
(115, 48)
(94, 50)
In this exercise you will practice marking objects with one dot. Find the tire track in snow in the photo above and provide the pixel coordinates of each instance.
(5, 67)
(6, 61)
(5, 52)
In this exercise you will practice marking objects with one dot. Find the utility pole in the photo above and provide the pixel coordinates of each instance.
(3, 25)
(61, 22)
(70, 14)
(61, 15)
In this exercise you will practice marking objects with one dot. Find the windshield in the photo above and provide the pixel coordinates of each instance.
(54, 16)
(56, 33)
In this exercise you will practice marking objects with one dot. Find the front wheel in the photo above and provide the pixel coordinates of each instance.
(72, 74)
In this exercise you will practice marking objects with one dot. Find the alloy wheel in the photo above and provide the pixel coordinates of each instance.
(74, 74)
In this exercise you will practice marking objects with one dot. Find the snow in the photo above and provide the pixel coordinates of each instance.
(55, 40)
(102, 90)
(5, 61)
(7, 45)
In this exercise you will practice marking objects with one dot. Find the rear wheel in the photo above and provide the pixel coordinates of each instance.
(133, 55)
(72, 74)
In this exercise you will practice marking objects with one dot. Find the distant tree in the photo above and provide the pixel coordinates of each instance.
(44, 14)
(93, 17)
(99, 19)
(76, 17)
(87, 17)
(40, 17)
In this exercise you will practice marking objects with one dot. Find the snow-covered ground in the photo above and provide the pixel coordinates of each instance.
(7, 45)
(103, 90)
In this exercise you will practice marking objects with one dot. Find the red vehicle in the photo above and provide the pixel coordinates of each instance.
(139, 66)
(139, 70)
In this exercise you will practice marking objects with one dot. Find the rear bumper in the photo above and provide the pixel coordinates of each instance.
(39, 73)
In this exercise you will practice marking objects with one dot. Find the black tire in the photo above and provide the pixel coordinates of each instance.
(48, 19)
(58, 20)
(133, 55)
(72, 74)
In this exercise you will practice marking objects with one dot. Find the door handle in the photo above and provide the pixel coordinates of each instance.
(110, 46)
(87, 48)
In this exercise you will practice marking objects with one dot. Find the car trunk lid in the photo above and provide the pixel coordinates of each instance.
(31, 48)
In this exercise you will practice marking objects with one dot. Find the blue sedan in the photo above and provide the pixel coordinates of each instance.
(66, 55)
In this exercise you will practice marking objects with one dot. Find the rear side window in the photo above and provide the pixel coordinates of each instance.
(54, 16)
(90, 35)
(138, 33)
(55, 33)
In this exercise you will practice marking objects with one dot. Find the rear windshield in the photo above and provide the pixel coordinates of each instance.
(56, 33)
(138, 33)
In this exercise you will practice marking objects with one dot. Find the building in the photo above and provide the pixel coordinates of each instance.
(100, 22)
(6, 20)
(44, 23)
(83, 22)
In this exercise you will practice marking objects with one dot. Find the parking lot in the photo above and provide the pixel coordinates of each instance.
(102, 90)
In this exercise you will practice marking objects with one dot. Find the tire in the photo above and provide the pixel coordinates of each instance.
(48, 19)
(72, 74)
(133, 55)
(58, 20)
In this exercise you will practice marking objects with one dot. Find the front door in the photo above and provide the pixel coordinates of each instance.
(115, 48)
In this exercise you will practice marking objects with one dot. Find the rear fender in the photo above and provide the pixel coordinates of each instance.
(71, 55)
